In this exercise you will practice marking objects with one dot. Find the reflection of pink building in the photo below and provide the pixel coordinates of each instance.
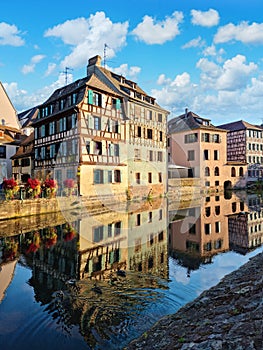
(199, 146)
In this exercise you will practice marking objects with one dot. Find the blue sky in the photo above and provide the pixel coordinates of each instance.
(205, 55)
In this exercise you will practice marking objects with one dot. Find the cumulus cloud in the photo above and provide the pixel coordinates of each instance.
(50, 69)
(223, 91)
(197, 42)
(30, 68)
(129, 72)
(87, 36)
(208, 18)
(10, 35)
(154, 32)
(247, 34)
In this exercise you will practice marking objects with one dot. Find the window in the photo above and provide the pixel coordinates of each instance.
(97, 99)
(62, 124)
(149, 115)
(2, 151)
(160, 236)
(207, 171)
(117, 228)
(190, 138)
(137, 154)
(191, 155)
(160, 117)
(234, 207)
(98, 234)
(160, 177)
(216, 155)
(51, 128)
(138, 220)
(97, 123)
(217, 209)
(42, 131)
(161, 136)
(117, 176)
(25, 162)
(151, 239)
(109, 176)
(160, 214)
(233, 172)
(139, 131)
(216, 183)
(109, 230)
(150, 178)
(138, 178)
(151, 156)
(149, 134)
(116, 126)
(217, 226)
(98, 176)
(116, 103)
(160, 156)
(207, 229)
(206, 154)
(241, 172)
(88, 146)
(207, 183)
(216, 171)
(205, 137)
(137, 244)
(97, 147)
(150, 216)
(207, 211)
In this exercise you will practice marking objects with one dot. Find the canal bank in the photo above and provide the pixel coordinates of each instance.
(228, 316)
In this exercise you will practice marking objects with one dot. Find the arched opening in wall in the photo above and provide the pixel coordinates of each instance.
(216, 171)
(227, 190)
(207, 171)
(233, 172)
(241, 171)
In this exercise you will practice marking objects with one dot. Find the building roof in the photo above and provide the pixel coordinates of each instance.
(190, 121)
(25, 118)
(239, 125)
(26, 147)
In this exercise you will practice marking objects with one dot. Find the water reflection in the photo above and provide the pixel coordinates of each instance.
(110, 276)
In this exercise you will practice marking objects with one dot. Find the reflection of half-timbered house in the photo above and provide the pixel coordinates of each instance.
(104, 132)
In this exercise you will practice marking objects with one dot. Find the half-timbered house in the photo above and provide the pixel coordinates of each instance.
(105, 133)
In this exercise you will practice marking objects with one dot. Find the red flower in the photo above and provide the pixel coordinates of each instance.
(32, 248)
(50, 183)
(33, 183)
(69, 183)
(69, 236)
(9, 184)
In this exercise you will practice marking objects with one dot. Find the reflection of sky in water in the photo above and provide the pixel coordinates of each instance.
(207, 275)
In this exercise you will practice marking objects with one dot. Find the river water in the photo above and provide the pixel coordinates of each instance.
(97, 280)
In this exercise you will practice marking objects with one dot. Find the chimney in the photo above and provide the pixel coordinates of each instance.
(185, 112)
(94, 61)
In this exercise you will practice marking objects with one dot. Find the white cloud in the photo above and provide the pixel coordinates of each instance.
(225, 91)
(129, 72)
(10, 35)
(50, 69)
(247, 34)
(208, 18)
(30, 68)
(87, 37)
(152, 32)
(233, 74)
(197, 42)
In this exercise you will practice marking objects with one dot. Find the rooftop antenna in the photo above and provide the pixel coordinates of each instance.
(105, 55)
(67, 69)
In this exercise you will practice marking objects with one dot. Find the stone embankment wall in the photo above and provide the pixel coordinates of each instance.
(226, 317)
